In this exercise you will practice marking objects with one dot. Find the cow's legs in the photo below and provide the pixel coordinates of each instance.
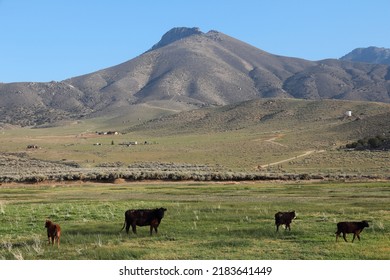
(134, 228)
(153, 225)
(127, 228)
(356, 234)
(345, 238)
(277, 227)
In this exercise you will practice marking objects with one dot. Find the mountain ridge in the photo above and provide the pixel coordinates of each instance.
(175, 34)
(189, 69)
(371, 54)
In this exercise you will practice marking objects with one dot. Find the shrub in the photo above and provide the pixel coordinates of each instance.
(379, 142)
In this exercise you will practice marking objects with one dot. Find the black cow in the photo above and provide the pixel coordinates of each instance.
(350, 227)
(143, 217)
(284, 218)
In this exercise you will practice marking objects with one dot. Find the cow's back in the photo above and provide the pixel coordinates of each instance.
(351, 227)
(141, 217)
(278, 217)
(284, 217)
(144, 217)
(341, 227)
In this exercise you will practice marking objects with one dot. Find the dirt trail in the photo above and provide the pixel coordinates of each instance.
(289, 159)
(161, 108)
(273, 139)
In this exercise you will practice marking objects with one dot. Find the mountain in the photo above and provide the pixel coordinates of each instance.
(189, 69)
(369, 55)
(176, 34)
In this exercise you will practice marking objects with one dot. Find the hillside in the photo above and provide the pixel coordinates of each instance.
(373, 55)
(267, 115)
(189, 69)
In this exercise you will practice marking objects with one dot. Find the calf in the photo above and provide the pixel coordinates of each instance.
(143, 217)
(350, 227)
(53, 232)
(284, 218)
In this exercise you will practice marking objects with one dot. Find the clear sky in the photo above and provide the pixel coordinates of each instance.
(45, 40)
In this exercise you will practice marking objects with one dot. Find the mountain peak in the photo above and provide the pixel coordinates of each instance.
(176, 34)
(369, 55)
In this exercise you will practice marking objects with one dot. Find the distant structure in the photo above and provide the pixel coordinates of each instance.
(32, 147)
(348, 113)
(107, 133)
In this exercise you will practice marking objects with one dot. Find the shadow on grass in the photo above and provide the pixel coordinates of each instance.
(88, 229)
(297, 236)
(108, 231)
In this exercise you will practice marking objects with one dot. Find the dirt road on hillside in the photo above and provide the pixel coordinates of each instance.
(290, 159)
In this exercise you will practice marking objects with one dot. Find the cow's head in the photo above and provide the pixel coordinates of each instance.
(160, 212)
(365, 224)
(47, 223)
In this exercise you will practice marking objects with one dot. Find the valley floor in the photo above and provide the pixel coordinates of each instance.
(204, 220)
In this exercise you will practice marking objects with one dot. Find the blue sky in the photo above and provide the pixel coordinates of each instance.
(45, 40)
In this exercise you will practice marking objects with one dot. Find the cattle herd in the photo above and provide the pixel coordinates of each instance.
(153, 217)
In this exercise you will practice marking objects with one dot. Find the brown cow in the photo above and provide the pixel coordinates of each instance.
(53, 232)
(143, 217)
(284, 218)
(350, 227)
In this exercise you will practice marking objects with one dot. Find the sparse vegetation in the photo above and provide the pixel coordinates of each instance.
(18, 168)
(225, 143)
(218, 184)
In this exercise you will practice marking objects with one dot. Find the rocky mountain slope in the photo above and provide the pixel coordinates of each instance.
(369, 55)
(190, 69)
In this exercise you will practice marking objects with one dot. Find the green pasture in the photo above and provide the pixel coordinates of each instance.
(203, 220)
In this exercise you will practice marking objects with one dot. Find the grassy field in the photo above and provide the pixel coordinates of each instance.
(239, 151)
(306, 136)
(203, 220)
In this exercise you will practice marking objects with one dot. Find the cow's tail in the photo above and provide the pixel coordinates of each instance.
(124, 224)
